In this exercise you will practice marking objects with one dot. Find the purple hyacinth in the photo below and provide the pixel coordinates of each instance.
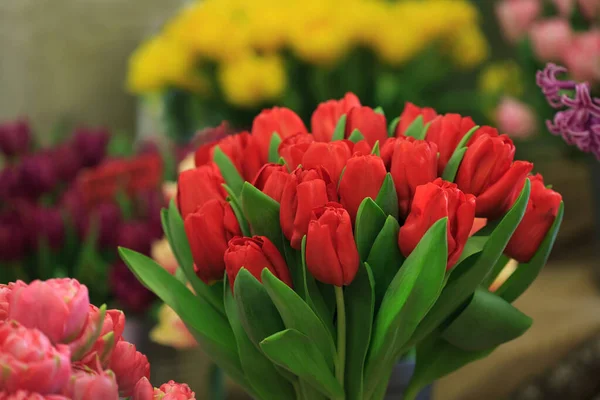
(579, 121)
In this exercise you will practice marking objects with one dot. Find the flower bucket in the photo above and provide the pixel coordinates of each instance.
(400, 380)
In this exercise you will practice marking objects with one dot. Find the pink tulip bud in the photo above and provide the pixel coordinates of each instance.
(565, 7)
(582, 57)
(29, 361)
(87, 384)
(590, 8)
(174, 391)
(516, 17)
(550, 38)
(81, 347)
(5, 294)
(24, 395)
(515, 118)
(57, 307)
(129, 365)
(143, 390)
(110, 334)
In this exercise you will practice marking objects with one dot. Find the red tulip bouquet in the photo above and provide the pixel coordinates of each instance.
(318, 260)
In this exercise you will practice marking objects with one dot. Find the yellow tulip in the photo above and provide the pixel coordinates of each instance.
(501, 78)
(171, 330)
(469, 47)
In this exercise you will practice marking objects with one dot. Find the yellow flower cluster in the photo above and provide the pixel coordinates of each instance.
(501, 78)
(249, 40)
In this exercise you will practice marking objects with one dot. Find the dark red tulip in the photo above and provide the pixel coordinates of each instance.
(332, 156)
(446, 132)
(327, 115)
(209, 231)
(91, 145)
(37, 175)
(432, 202)
(44, 224)
(414, 163)
(331, 253)
(292, 148)
(540, 214)
(488, 172)
(196, 186)
(255, 254)
(412, 112)
(66, 161)
(135, 235)
(128, 291)
(363, 178)
(305, 190)
(15, 138)
(277, 119)
(13, 240)
(371, 124)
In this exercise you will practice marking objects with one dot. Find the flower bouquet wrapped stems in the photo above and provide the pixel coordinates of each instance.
(318, 260)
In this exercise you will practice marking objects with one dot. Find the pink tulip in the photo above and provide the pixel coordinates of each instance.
(516, 17)
(5, 294)
(174, 391)
(57, 307)
(143, 390)
(111, 331)
(515, 118)
(565, 7)
(582, 57)
(87, 384)
(24, 395)
(129, 365)
(590, 8)
(550, 38)
(29, 361)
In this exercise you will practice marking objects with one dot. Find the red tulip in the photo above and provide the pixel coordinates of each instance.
(414, 163)
(331, 156)
(446, 132)
(433, 202)
(264, 174)
(305, 190)
(244, 152)
(129, 365)
(410, 113)
(363, 178)
(488, 172)
(277, 119)
(292, 148)
(362, 147)
(29, 361)
(331, 253)
(371, 124)
(387, 151)
(196, 186)
(272, 179)
(255, 254)
(207, 139)
(209, 230)
(541, 211)
(327, 115)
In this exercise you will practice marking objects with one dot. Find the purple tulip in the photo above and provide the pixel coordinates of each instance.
(128, 290)
(109, 218)
(91, 145)
(9, 187)
(67, 162)
(45, 224)
(135, 235)
(15, 138)
(13, 243)
(37, 175)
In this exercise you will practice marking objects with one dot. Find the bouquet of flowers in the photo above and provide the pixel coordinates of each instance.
(226, 60)
(316, 261)
(55, 345)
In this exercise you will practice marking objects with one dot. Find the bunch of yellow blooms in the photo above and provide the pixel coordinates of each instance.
(251, 42)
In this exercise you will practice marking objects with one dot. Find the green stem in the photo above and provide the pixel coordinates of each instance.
(341, 335)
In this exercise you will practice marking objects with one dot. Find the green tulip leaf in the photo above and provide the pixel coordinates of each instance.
(458, 290)
(385, 258)
(296, 352)
(524, 276)
(274, 147)
(180, 245)
(487, 321)
(298, 315)
(474, 245)
(393, 126)
(493, 274)
(416, 129)
(356, 136)
(360, 301)
(370, 218)
(387, 198)
(340, 129)
(255, 364)
(376, 149)
(232, 176)
(379, 110)
(234, 202)
(262, 212)
(451, 169)
(413, 291)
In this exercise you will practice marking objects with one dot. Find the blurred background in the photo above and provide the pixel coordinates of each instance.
(102, 100)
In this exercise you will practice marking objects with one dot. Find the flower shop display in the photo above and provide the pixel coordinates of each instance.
(318, 260)
(56, 345)
(226, 60)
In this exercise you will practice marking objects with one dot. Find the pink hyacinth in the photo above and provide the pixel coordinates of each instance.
(28, 360)
(57, 307)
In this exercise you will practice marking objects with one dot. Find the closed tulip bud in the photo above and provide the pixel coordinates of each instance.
(29, 361)
(331, 156)
(205, 140)
(488, 172)
(326, 116)
(57, 307)
(292, 149)
(363, 178)
(446, 132)
(143, 390)
(414, 163)
(305, 190)
(331, 253)
(197, 186)
(362, 147)
(129, 365)
(275, 182)
(91, 145)
(432, 202)
(244, 152)
(86, 384)
(255, 254)
(263, 176)
(371, 124)
(540, 214)
(209, 230)
(550, 38)
(410, 113)
(277, 119)
(516, 17)
(15, 138)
